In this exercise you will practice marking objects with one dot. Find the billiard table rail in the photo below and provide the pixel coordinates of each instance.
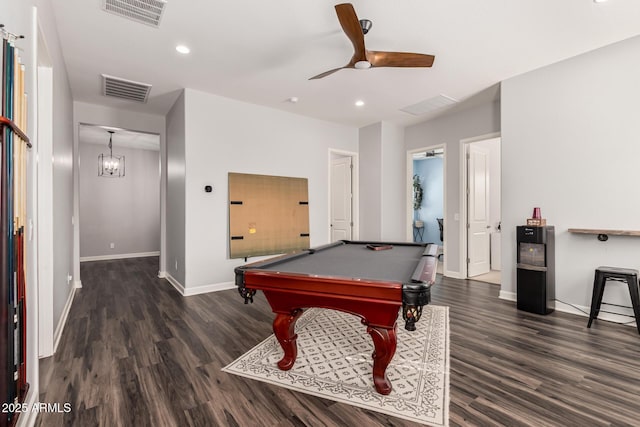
(415, 293)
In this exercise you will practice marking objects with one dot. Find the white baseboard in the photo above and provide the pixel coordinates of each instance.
(162, 274)
(119, 256)
(63, 320)
(28, 418)
(509, 296)
(209, 288)
(186, 292)
(77, 284)
(174, 283)
(453, 274)
(583, 311)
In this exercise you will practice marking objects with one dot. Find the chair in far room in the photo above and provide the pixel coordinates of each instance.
(441, 227)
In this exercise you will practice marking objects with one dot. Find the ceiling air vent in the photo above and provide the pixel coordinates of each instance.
(145, 11)
(125, 89)
(429, 105)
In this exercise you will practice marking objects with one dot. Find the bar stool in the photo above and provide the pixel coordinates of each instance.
(627, 275)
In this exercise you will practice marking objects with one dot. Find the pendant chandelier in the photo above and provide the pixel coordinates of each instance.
(110, 166)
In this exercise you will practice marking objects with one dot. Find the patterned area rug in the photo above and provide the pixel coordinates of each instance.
(334, 362)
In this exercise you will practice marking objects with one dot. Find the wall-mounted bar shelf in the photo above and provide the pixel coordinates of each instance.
(603, 234)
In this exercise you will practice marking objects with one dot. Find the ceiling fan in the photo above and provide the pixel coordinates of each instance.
(362, 58)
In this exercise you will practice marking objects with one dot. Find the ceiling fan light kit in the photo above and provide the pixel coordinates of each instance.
(355, 29)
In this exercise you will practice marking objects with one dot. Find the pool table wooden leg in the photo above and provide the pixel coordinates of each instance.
(284, 326)
(384, 341)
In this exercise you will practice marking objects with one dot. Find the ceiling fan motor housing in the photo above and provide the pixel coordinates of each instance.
(365, 24)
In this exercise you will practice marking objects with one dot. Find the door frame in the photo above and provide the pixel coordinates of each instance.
(355, 186)
(409, 195)
(464, 185)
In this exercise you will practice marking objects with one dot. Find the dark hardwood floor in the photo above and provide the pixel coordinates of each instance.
(136, 353)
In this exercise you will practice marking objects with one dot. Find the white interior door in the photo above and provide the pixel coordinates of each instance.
(341, 199)
(478, 237)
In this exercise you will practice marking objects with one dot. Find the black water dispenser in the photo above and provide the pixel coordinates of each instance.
(536, 269)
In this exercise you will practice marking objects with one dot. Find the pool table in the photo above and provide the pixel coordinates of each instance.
(371, 280)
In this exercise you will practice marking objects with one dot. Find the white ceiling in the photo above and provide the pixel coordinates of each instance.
(90, 134)
(263, 52)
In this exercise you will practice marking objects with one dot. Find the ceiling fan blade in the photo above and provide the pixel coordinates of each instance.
(326, 73)
(399, 59)
(351, 27)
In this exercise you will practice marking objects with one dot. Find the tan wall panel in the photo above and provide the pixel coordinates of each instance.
(267, 215)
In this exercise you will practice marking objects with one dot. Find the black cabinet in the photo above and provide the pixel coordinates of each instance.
(536, 290)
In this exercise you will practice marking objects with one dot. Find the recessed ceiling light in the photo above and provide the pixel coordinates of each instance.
(293, 99)
(599, 1)
(183, 49)
(359, 103)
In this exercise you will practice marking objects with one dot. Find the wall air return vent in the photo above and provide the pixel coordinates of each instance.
(125, 89)
(145, 11)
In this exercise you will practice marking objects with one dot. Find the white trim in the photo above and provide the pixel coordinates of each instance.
(44, 201)
(355, 185)
(162, 274)
(186, 292)
(77, 284)
(464, 150)
(29, 418)
(174, 283)
(452, 274)
(580, 310)
(209, 288)
(509, 296)
(409, 200)
(32, 335)
(63, 321)
(119, 256)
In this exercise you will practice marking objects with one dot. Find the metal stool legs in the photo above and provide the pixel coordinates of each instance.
(619, 274)
(635, 300)
(596, 298)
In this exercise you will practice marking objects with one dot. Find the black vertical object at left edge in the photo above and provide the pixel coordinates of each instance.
(245, 293)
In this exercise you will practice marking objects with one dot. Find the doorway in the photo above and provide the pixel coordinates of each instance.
(426, 215)
(119, 208)
(343, 195)
(482, 235)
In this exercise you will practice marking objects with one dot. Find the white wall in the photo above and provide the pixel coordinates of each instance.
(450, 130)
(123, 211)
(224, 135)
(394, 203)
(176, 167)
(62, 169)
(382, 180)
(570, 146)
(370, 151)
